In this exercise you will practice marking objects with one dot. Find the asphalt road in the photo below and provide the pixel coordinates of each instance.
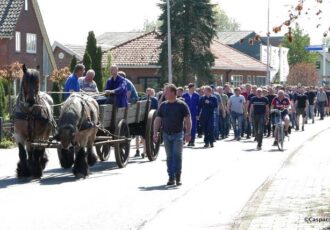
(217, 185)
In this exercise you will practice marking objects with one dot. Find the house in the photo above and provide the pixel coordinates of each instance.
(23, 36)
(139, 57)
(324, 71)
(63, 52)
(236, 67)
(241, 40)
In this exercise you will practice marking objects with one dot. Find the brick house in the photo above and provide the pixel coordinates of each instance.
(63, 52)
(138, 58)
(23, 36)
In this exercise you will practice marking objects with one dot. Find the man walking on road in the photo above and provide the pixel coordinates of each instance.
(174, 116)
(301, 104)
(237, 109)
(259, 115)
(322, 101)
(207, 106)
(192, 99)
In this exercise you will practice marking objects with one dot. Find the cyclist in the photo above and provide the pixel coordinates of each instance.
(282, 103)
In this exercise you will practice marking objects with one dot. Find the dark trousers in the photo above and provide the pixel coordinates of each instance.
(208, 128)
(222, 126)
(199, 128)
(259, 125)
(321, 105)
(216, 126)
(193, 128)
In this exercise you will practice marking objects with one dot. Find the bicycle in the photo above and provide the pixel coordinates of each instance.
(279, 128)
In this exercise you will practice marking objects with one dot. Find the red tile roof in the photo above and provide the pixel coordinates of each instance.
(140, 51)
(144, 51)
(229, 58)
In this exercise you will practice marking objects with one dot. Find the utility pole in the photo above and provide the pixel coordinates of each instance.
(169, 44)
(268, 48)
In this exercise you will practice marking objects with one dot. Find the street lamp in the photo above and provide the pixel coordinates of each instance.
(268, 49)
(169, 44)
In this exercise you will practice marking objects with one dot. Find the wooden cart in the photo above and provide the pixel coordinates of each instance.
(119, 125)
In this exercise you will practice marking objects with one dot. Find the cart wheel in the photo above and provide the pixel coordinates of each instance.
(66, 157)
(103, 151)
(152, 148)
(122, 149)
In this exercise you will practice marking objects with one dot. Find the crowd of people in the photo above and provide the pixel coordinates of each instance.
(216, 110)
(212, 110)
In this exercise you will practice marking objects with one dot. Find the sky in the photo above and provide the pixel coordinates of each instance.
(68, 21)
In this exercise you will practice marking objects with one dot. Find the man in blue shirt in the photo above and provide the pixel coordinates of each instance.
(132, 94)
(192, 99)
(207, 104)
(117, 85)
(72, 83)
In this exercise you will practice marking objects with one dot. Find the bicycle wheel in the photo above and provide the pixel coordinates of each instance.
(280, 137)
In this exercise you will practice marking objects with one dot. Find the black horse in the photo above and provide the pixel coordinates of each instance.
(78, 125)
(33, 122)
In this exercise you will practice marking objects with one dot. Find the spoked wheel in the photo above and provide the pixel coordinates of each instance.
(103, 151)
(280, 138)
(66, 157)
(152, 148)
(122, 149)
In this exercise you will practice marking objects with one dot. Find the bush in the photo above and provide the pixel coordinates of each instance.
(2, 100)
(6, 144)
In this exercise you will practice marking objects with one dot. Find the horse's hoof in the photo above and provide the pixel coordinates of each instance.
(44, 161)
(91, 159)
(22, 170)
(80, 176)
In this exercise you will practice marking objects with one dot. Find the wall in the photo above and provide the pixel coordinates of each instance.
(61, 63)
(27, 23)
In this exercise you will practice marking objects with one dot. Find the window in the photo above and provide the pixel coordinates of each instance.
(31, 43)
(26, 5)
(260, 81)
(152, 82)
(237, 80)
(18, 42)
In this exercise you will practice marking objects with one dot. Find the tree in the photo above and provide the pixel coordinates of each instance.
(98, 68)
(223, 22)
(2, 100)
(149, 26)
(73, 63)
(193, 28)
(303, 73)
(106, 73)
(96, 58)
(87, 61)
(297, 53)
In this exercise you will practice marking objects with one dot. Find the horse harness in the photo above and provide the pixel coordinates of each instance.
(88, 111)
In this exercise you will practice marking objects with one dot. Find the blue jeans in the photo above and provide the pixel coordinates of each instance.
(173, 146)
(236, 119)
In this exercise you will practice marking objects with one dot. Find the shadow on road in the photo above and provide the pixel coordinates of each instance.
(158, 188)
(10, 181)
